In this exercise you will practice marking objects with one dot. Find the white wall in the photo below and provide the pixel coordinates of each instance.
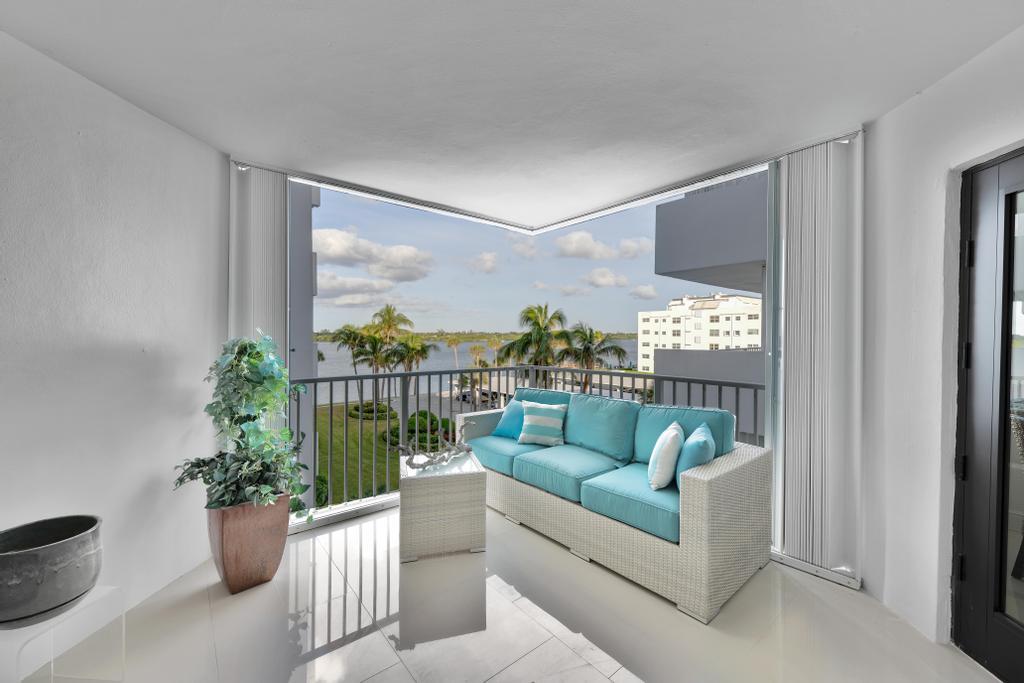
(113, 298)
(911, 311)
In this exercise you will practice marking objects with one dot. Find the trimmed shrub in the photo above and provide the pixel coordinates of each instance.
(424, 427)
(368, 409)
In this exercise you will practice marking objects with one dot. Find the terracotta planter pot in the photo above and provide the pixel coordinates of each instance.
(247, 541)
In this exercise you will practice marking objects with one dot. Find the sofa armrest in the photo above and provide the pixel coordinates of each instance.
(478, 424)
(725, 521)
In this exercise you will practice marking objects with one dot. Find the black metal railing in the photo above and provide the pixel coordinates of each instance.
(354, 427)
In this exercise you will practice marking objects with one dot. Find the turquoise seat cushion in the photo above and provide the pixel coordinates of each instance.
(548, 396)
(511, 423)
(698, 449)
(562, 469)
(497, 452)
(654, 419)
(625, 495)
(605, 425)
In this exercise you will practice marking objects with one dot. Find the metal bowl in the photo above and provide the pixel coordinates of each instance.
(48, 563)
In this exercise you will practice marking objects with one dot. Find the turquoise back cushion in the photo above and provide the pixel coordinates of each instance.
(605, 425)
(511, 423)
(654, 419)
(548, 396)
(697, 450)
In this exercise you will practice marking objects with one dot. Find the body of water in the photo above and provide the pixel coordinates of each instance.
(339, 363)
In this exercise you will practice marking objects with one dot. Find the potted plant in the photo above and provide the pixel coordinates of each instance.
(254, 480)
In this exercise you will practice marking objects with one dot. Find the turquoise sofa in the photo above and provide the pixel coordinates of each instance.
(695, 541)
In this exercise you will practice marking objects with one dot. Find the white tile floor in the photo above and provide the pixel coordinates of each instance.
(343, 609)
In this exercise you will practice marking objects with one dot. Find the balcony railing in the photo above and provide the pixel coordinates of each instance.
(354, 427)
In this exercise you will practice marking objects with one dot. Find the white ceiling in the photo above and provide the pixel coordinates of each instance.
(529, 111)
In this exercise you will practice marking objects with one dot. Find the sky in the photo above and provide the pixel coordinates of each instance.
(458, 275)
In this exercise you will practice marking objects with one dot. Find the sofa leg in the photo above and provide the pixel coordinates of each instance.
(579, 555)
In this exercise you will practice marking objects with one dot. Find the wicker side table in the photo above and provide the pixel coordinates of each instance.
(442, 508)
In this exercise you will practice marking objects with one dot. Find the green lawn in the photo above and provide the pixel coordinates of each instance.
(361, 437)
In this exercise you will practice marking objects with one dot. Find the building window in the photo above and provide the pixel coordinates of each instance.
(754, 316)
(713, 347)
(645, 344)
(645, 331)
(714, 318)
(646, 320)
(752, 331)
(727, 346)
(713, 333)
(676, 333)
(646, 356)
(696, 340)
(752, 346)
(675, 346)
(676, 321)
(728, 318)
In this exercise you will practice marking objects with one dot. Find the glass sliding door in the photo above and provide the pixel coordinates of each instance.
(1013, 462)
(988, 568)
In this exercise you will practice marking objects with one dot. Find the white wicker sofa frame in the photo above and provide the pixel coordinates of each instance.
(724, 526)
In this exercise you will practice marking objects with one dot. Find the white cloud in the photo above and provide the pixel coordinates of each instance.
(400, 262)
(605, 277)
(485, 262)
(330, 284)
(524, 246)
(644, 292)
(372, 301)
(581, 244)
(635, 246)
(573, 290)
(537, 284)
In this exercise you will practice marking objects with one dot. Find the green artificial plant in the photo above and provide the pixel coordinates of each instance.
(258, 458)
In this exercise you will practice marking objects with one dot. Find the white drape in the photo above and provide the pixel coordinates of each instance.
(258, 266)
(819, 424)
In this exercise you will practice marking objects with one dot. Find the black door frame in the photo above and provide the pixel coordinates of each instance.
(979, 626)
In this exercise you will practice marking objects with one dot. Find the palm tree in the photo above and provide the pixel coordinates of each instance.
(353, 339)
(410, 351)
(477, 351)
(494, 343)
(377, 354)
(587, 348)
(389, 324)
(452, 342)
(536, 346)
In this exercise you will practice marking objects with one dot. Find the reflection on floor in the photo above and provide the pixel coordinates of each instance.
(342, 608)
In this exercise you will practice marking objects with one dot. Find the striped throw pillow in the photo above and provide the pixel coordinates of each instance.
(542, 424)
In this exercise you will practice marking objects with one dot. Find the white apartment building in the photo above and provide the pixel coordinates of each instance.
(719, 321)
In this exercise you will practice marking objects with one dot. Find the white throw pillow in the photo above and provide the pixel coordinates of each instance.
(543, 424)
(662, 467)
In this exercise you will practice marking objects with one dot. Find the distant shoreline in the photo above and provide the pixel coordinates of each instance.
(325, 336)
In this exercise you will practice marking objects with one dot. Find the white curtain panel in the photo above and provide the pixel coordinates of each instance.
(258, 267)
(820, 418)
